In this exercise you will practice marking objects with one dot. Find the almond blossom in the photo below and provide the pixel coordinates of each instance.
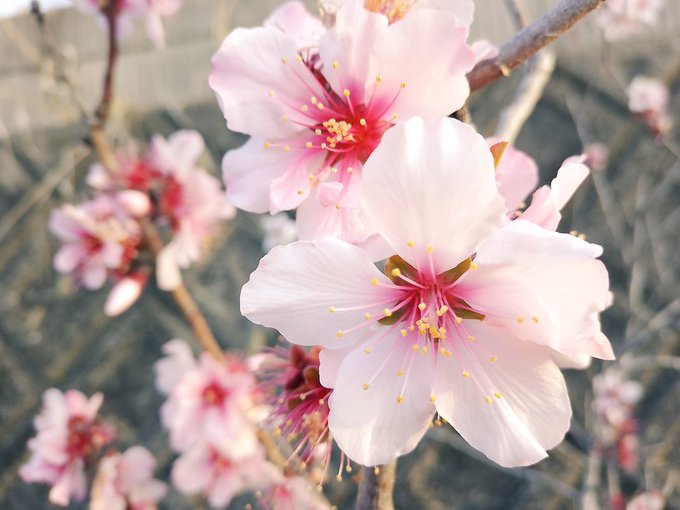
(648, 98)
(316, 106)
(624, 18)
(125, 481)
(464, 321)
(68, 437)
(651, 500)
(295, 493)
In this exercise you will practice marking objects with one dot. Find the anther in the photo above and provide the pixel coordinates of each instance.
(300, 192)
(309, 145)
(471, 338)
(411, 244)
(430, 249)
(286, 148)
(396, 271)
(493, 358)
(404, 332)
(365, 386)
(400, 373)
(415, 347)
(520, 320)
(285, 118)
(535, 319)
(346, 92)
(466, 374)
(489, 400)
(339, 333)
(362, 122)
(284, 60)
(402, 85)
(298, 58)
(387, 312)
(267, 145)
(473, 265)
(422, 306)
(433, 398)
(374, 281)
(497, 394)
(332, 309)
(442, 310)
(458, 320)
(378, 79)
(367, 350)
(335, 64)
(400, 399)
(367, 316)
(272, 93)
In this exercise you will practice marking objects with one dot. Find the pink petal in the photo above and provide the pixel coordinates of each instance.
(123, 295)
(484, 50)
(330, 361)
(69, 257)
(93, 275)
(293, 20)
(463, 10)
(296, 287)
(547, 202)
(375, 425)
(154, 29)
(192, 471)
(168, 275)
(529, 408)
(178, 153)
(516, 176)
(432, 184)
(178, 360)
(135, 202)
(316, 220)
(543, 286)
(251, 64)
(433, 68)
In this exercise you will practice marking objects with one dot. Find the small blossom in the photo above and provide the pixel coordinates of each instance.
(69, 436)
(648, 98)
(597, 156)
(125, 482)
(278, 229)
(464, 320)
(295, 493)
(624, 18)
(651, 500)
(316, 113)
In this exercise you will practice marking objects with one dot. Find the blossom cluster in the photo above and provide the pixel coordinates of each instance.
(69, 449)
(648, 99)
(621, 19)
(103, 238)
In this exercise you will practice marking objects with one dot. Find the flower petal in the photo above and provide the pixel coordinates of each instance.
(168, 275)
(124, 294)
(293, 19)
(316, 220)
(431, 183)
(543, 286)
(516, 176)
(504, 396)
(304, 290)
(387, 419)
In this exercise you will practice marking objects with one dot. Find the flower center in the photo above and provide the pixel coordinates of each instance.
(214, 394)
(394, 10)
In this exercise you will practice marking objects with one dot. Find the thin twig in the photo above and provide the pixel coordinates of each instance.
(376, 488)
(527, 42)
(110, 11)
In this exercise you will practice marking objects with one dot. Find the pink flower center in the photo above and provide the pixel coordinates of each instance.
(394, 10)
(214, 394)
(84, 437)
(171, 201)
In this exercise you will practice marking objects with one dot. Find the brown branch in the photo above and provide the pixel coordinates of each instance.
(527, 42)
(110, 11)
(376, 488)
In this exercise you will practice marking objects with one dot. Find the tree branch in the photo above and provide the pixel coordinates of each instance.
(110, 11)
(376, 487)
(527, 42)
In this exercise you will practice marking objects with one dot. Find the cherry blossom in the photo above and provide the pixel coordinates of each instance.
(316, 113)
(464, 320)
(125, 481)
(68, 437)
(624, 18)
(648, 98)
(295, 493)
(652, 500)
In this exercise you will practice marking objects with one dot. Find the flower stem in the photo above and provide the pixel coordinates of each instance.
(376, 488)
(110, 12)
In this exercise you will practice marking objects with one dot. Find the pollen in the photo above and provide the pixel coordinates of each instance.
(335, 64)
(367, 350)
(286, 148)
(313, 99)
(400, 399)
(309, 145)
(535, 319)
(422, 306)
(466, 374)
(304, 108)
(332, 309)
(298, 58)
(471, 338)
(415, 347)
(317, 132)
(400, 373)
(267, 145)
(300, 192)
(402, 85)
(365, 386)
(458, 320)
(339, 333)
(284, 60)
(346, 92)
(493, 358)
(411, 244)
(442, 310)
(387, 312)
(433, 398)
(374, 281)
(424, 349)
(430, 249)
(396, 271)
(404, 332)
(378, 79)
(520, 320)
(334, 170)
(350, 170)
(489, 400)
(285, 118)
(473, 265)
(367, 316)
(272, 93)
(320, 106)
(445, 352)
(497, 394)
(362, 122)
(311, 177)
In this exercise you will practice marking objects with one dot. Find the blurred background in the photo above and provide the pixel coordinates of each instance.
(53, 334)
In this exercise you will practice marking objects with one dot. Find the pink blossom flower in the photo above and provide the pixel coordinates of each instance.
(298, 401)
(648, 98)
(192, 201)
(295, 493)
(208, 470)
(651, 500)
(464, 321)
(315, 114)
(516, 174)
(99, 238)
(125, 482)
(278, 229)
(210, 402)
(597, 156)
(623, 18)
(68, 437)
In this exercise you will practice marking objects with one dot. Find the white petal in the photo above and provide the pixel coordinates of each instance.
(168, 275)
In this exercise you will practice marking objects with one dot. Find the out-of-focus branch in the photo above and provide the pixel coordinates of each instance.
(527, 42)
(518, 13)
(110, 11)
(376, 488)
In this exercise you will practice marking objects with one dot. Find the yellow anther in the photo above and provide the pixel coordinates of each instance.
(285, 118)
(422, 306)
(362, 122)
(471, 338)
(335, 64)
(445, 352)
(304, 108)
(313, 100)
(434, 333)
(284, 60)
(346, 92)
(411, 328)
(473, 265)
(396, 271)
(442, 310)
(520, 320)
(339, 333)
(365, 386)
(400, 399)
(323, 146)
(311, 178)
(415, 347)
(308, 145)
(374, 281)
(466, 374)
(350, 169)
(433, 398)
(573, 233)
(272, 93)
(430, 249)
(320, 106)
(411, 244)
(387, 312)
(267, 145)
(535, 319)
(424, 349)
(400, 373)
(404, 332)
(286, 148)
(298, 58)
(378, 79)
(367, 316)
(300, 192)
(317, 132)
(489, 400)
(367, 350)
(334, 170)
(493, 358)
(402, 85)
(332, 309)
(395, 116)
(442, 330)
(497, 394)
(582, 237)
(458, 320)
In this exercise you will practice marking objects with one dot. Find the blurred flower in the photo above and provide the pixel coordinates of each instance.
(278, 229)
(516, 174)
(316, 114)
(597, 156)
(652, 500)
(466, 319)
(69, 436)
(648, 98)
(623, 18)
(125, 482)
(295, 493)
